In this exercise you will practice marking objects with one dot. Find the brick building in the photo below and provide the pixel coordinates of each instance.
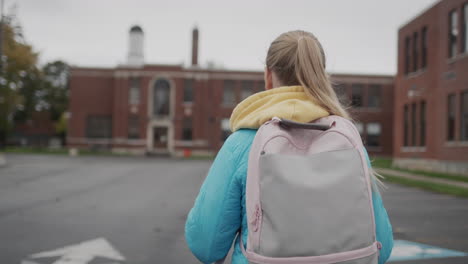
(149, 108)
(38, 131)
(369, 99)
(431, 90)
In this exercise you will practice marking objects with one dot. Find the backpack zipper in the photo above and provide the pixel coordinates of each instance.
(256, 218)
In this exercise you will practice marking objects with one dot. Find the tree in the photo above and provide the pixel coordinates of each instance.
(56, 93)
(18, 77)
(25, 88)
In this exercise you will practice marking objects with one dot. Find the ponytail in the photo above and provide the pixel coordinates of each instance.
(297, 58)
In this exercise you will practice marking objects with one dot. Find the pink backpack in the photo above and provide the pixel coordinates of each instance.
(308, 195)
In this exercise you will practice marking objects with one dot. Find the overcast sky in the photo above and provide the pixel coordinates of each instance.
(359, 36)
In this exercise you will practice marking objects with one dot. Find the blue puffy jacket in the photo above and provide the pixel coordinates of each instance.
(219, 210)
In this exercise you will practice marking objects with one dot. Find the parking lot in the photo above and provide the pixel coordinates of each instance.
(133, 210)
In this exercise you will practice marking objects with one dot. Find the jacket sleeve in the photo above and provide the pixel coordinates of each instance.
(383, 228)
(215, 218)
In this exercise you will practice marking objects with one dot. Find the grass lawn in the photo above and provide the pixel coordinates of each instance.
(62, 151)
(29, 150)
(378, 162)
(86, 152)
(386, 163)
(200, 157)
(435, 187)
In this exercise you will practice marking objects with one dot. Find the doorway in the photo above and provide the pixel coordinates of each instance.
(160, 139)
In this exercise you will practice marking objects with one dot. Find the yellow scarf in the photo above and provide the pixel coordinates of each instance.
(289, 102)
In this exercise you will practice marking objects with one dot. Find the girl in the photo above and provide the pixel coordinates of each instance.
(297, 88)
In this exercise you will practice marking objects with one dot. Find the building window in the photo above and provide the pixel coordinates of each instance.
(225, 129)
(133, 127)
(161, 98)
(342, 93)
(422, 128)
(464, 28)
(406, 126)
(229, 95)
(187, 129)
(413, 125)
(374, 97)
(360, 128)
(373, 134)
(451, 117)
(247, 89)
(188, 91)
(453, 33)
(99, 127)
(464, 116)
(407, 54)
(415, 51)
(424, 47)
(357, 95)
(134, 91)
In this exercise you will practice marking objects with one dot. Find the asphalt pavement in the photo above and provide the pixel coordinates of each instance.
(59, 209)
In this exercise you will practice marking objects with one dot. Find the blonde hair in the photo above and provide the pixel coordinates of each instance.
(297, 58)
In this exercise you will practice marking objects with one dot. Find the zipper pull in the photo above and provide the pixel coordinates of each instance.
(256, 218)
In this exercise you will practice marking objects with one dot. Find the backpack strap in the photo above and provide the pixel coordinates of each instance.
(286, 124)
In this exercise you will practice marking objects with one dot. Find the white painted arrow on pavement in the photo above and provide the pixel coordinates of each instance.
(81, 253)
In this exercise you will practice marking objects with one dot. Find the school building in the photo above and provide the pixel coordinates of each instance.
(172, 109)
(431, 90)
(419, 116)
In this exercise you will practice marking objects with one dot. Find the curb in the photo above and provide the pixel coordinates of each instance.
(421, 178)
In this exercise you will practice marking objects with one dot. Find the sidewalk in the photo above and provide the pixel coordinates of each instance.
(416, 177)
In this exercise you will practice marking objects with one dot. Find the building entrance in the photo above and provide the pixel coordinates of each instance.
(160, 139)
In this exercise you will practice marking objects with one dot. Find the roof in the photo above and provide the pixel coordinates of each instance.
(136, 28)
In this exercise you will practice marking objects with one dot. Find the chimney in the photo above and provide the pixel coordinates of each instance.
(135, 55)
(195, 46)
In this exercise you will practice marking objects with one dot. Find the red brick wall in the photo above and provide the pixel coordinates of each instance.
(91, 93)
(106, 92)
(382, 115)
(442, 76)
